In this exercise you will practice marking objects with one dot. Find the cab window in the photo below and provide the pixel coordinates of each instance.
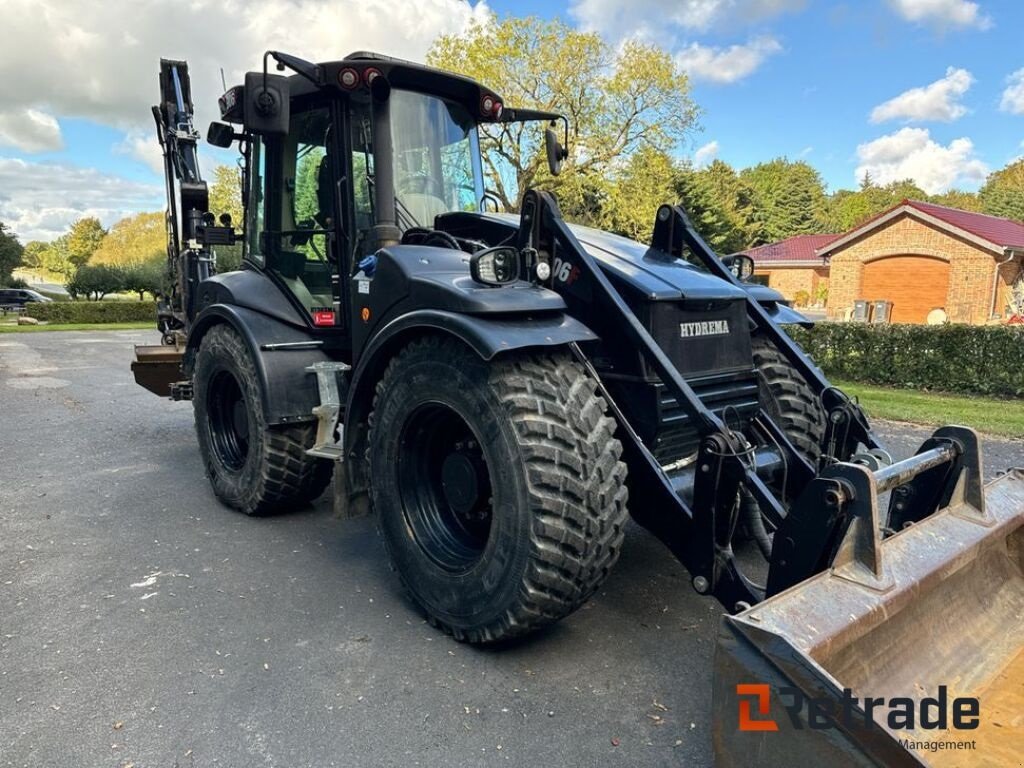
(291, 222)
(437, 158)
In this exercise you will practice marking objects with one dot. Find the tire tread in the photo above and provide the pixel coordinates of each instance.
(576, 479)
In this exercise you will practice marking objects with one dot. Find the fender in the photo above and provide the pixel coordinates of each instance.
(776, 306)
(783, 314)
(287, 390)
(487, 336)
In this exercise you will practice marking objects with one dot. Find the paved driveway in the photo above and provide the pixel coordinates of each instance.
(142, 623)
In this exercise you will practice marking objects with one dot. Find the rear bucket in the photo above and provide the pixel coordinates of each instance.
(943, 628)
(157, 367)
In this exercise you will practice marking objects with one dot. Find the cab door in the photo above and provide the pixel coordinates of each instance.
(295, 227)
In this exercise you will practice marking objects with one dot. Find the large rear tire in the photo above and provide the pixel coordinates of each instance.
(498, 486)
(252, 467)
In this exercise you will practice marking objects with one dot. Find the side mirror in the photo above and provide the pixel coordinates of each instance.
(556, 152)
(495, 266)
(266, 103)
(741, 265)
(220, 134)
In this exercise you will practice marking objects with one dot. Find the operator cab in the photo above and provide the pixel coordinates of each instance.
(346, 157)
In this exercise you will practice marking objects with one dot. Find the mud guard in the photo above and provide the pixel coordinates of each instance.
(783, 314)
(487, 336)
(281, 352)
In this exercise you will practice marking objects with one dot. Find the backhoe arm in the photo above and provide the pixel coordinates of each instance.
(188, 261)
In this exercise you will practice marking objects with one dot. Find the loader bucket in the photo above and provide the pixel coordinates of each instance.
(940, 624)
(157, 367)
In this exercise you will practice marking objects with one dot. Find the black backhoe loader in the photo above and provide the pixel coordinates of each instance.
(500, 389)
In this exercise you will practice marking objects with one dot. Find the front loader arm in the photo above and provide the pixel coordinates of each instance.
(820, 519)
(698, 533)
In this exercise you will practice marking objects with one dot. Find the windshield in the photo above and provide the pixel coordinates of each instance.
(437, 158)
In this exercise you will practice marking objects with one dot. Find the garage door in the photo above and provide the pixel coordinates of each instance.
(914, 284)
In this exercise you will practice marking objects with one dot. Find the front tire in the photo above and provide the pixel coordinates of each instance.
(788, 399)
(252, 467)
(498, 486)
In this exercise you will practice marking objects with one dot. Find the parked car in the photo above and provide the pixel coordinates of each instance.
(19, 297)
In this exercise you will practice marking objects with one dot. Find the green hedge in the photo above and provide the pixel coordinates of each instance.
(968, 359)
(93, 311)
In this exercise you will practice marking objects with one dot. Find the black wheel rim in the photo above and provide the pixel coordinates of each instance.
(229, 420)
(445, 487)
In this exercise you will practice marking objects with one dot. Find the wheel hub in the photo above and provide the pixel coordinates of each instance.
(459, 480)
(445, 487)
(228, 420)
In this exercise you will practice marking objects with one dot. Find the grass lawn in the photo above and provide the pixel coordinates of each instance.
(12, 328)
(996, 417)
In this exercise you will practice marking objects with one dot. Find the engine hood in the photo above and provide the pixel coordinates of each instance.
(654, 274)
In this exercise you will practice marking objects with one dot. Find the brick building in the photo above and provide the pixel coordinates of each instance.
(924, 257)
(793, 266)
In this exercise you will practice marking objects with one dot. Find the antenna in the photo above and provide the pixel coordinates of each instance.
(223, 81)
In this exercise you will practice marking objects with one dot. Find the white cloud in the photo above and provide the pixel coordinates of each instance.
(943, 14)
(726, 65)
(143, 146)
(29, 130)
(656, 18)
(39, 200)
(936, 101)
(911, 153)
(705, 155)
(1013, 96)
(99, 60)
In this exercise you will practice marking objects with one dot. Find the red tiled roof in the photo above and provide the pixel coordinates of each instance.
(998, 231)
(799, 248)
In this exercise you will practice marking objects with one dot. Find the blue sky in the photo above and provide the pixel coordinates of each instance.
(932, 89)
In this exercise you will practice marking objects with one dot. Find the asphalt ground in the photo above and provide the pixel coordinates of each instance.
(143, 624)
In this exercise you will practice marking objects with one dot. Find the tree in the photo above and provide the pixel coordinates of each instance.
(34, 253)
(226, 197)
(1003, 192)
(138, 239)
(10, 253)
(57, 258)
(84, 238)
(94, 281)
(72, 249)
(790, 197)
(846, 209)
(617, 100)
(722, 207)
(226, 193)
(955, 198)
(905, 189)
(647, 181)
(143, 278)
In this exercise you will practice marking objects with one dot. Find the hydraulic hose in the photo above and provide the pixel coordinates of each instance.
(750, 514)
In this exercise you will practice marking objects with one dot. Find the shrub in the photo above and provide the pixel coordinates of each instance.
(801, 298)
(968, 359)
(94, 311)
(16, 282)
